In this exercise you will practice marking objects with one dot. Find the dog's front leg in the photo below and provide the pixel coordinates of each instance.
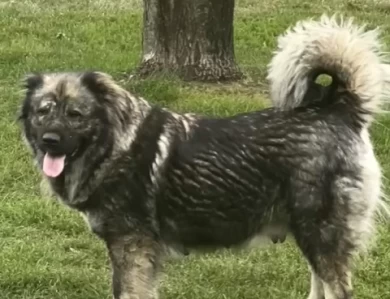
(134, 261)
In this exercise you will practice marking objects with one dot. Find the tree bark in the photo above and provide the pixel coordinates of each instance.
(191, 38)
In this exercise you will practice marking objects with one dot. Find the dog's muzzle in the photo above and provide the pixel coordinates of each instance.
(58, 143)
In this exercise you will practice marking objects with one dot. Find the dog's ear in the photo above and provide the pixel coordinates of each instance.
(110, 94)
(22, 112)
(32, 81)
(98, 83)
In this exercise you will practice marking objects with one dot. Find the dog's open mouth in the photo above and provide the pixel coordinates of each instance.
(53, 166)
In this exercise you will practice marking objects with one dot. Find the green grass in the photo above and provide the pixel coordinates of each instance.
(46, 250)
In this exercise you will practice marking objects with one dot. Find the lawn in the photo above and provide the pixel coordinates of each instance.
(46, 250)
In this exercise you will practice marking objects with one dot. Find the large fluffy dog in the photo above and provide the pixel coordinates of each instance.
(147, 179)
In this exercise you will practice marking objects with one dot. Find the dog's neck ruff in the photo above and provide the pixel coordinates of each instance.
(125, 135)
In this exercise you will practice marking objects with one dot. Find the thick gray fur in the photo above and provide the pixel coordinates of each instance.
(147, 179)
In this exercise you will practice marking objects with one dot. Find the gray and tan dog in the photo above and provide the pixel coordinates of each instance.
(147, 179)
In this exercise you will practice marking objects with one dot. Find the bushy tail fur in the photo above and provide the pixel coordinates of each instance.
(348, 53)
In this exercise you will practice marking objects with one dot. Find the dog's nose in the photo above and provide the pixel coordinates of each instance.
(51, 138)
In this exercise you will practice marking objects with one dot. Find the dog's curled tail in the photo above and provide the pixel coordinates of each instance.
(349, 54)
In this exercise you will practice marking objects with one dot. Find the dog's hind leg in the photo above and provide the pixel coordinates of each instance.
(316, 286)
(330, 266)
(134, 261)
(327, 237)
(336, 281)
(333, 224)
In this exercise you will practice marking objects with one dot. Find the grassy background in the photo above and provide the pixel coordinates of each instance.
(46, 251)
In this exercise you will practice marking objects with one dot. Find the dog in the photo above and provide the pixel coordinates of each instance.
(147, 179)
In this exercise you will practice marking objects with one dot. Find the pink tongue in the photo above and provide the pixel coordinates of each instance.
(53, 166)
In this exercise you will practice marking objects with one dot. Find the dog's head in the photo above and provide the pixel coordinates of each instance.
(65, 115)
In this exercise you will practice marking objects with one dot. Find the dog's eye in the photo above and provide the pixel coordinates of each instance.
(74, 113)
(43, 110)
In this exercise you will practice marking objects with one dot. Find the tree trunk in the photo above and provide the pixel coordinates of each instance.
(191, 38)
